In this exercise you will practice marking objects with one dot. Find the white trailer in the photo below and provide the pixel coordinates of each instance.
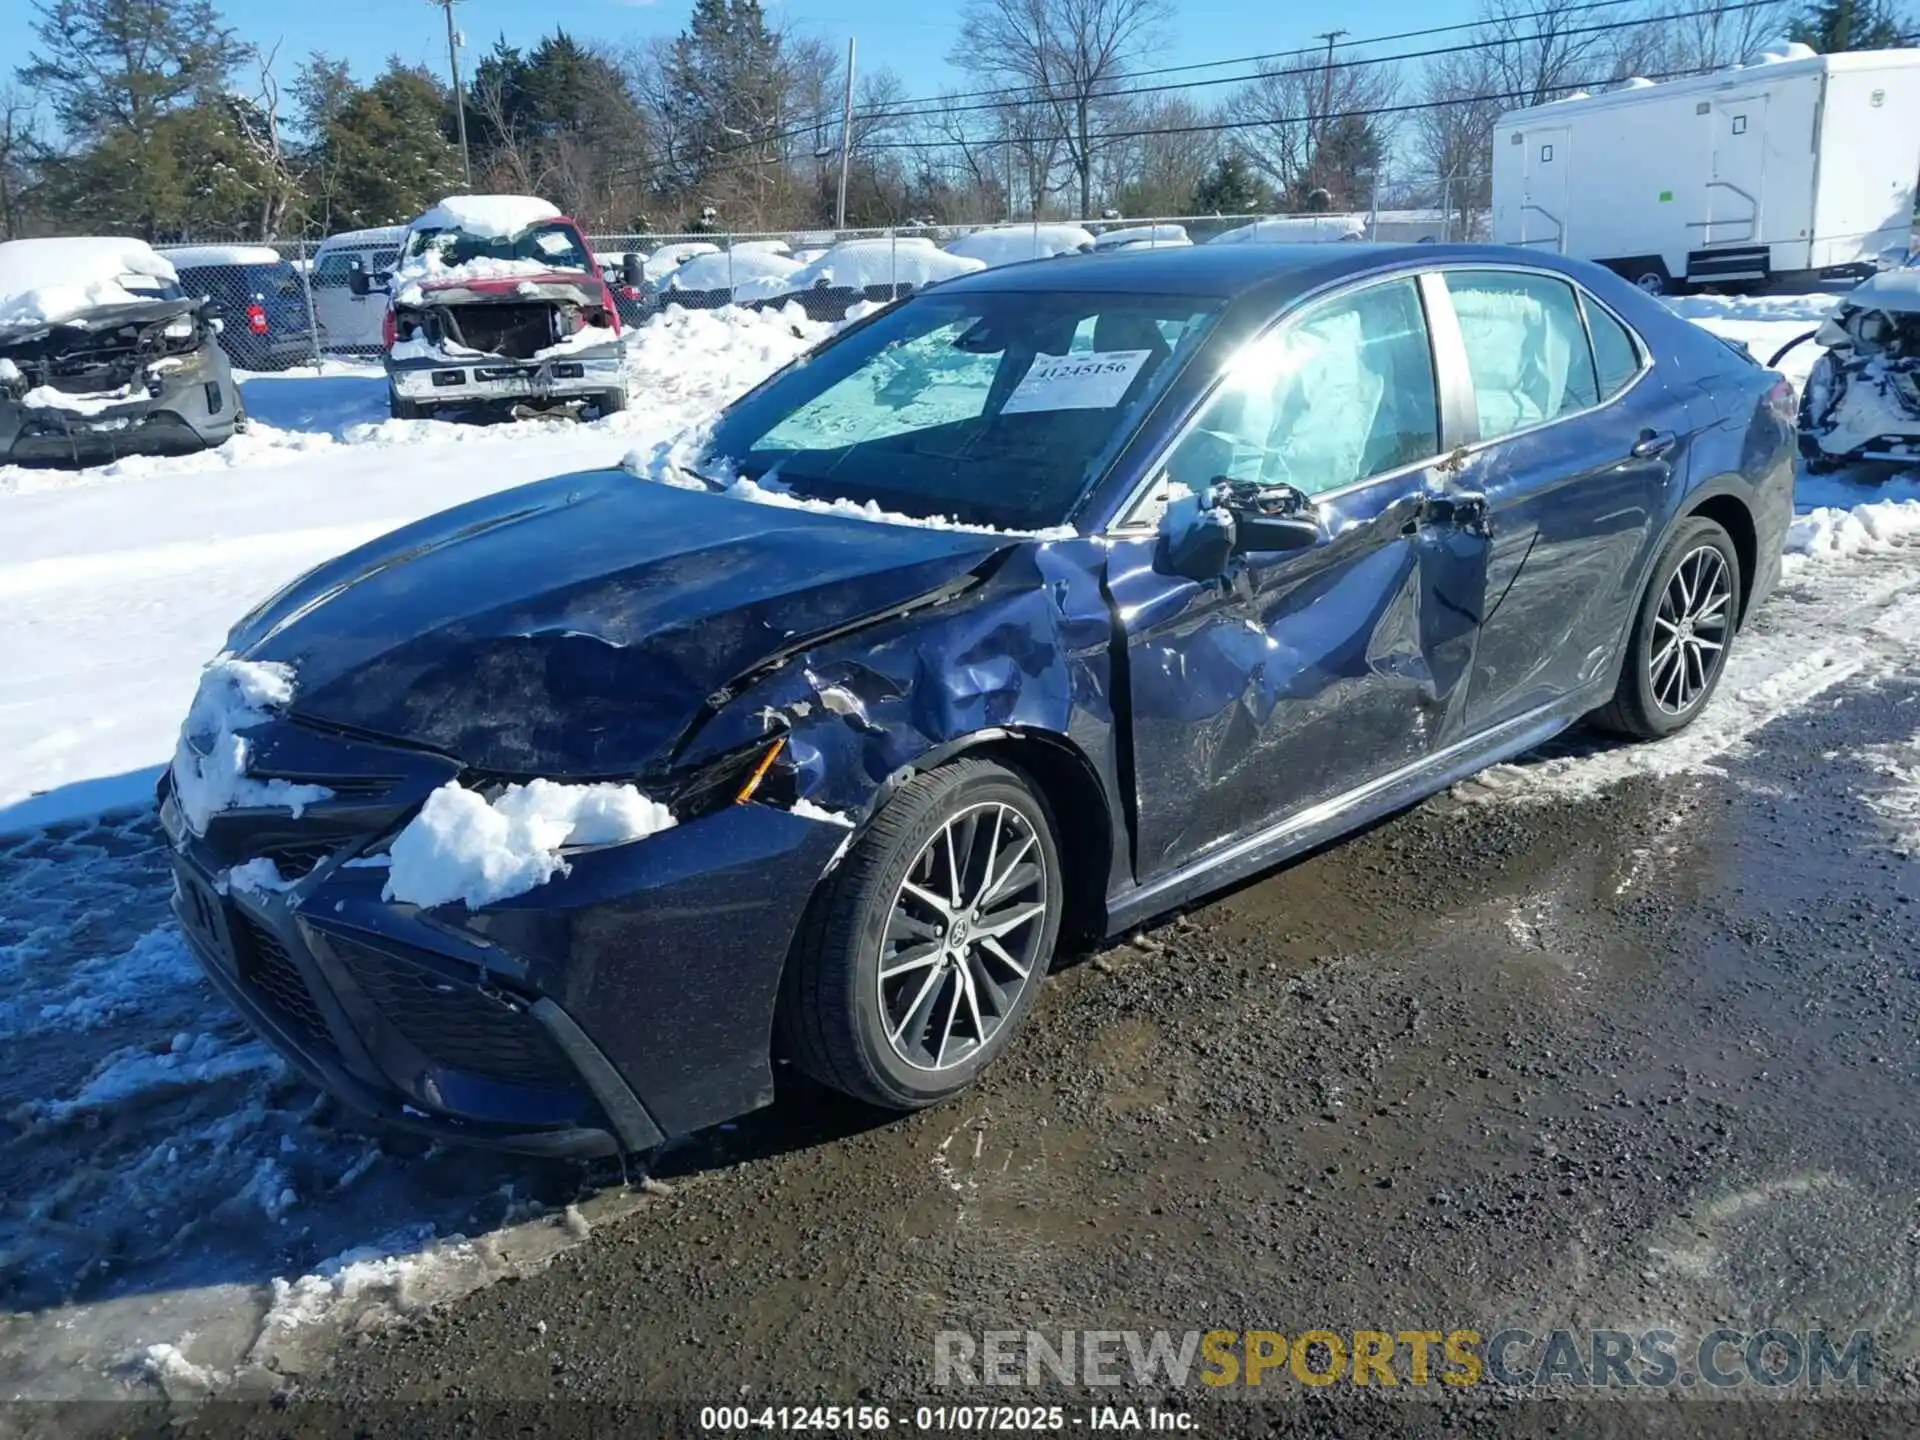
(1802, 166)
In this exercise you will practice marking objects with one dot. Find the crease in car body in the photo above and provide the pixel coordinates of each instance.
(1173, 725)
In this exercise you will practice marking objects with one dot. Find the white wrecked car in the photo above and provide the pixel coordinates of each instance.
(1862, 398)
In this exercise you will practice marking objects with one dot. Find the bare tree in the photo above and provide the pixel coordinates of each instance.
(262, 129)
(1168, 154)
(19, 139)
(1303, 103)
(1451, 139)
(1719, 39)
(1542, 50)
(1061, 58)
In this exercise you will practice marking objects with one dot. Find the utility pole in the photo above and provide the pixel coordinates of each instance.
(1326, 82)
(459, 100)
(846, 143)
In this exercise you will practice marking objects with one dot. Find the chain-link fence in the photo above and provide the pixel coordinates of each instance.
(292, 303)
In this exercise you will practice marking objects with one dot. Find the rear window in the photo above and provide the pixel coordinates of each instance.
(1615, 355)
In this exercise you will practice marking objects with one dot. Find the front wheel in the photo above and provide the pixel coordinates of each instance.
(918, 963)
(1681, 636)
(404, 409)
(611, 402)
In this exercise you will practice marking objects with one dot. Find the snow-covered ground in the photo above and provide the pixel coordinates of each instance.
(181, 1210)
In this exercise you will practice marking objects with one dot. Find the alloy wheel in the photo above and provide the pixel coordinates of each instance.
(964, 936)
(1690, 630)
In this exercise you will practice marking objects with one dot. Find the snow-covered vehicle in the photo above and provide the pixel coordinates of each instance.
(497, 301)
(102, 355)
(350, 320)
(872, 271)
(259, 297)
(1862, 398)
(1010, 244)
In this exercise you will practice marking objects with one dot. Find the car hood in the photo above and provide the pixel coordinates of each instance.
(578, 626)
(81, 327)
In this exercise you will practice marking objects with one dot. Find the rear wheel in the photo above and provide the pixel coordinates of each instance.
(1653, 282)
(1681, 635)
(918, 963)
(612, 402)
(404, 409)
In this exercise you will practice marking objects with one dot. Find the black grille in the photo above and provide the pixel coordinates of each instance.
(294, 861)
(455, 1024)
(278, 981)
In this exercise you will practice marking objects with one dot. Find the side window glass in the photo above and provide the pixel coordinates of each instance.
(1526, 348)
(331, 271)
(1614, 353)
(1341, 394)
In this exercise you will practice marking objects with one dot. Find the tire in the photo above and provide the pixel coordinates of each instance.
(1652, 699)
(404, 409)
(612, 402)
(839, 1019)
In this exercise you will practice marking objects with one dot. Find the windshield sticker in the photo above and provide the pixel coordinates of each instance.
(1076, 382)
(552, 243)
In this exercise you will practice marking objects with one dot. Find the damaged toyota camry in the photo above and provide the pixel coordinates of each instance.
(101, 355)
(1039, 604)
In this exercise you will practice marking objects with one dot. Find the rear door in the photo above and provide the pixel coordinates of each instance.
(1301, 676)
(1575, 451)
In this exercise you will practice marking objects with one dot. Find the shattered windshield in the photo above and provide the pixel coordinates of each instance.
(994, 409)
(555, 245)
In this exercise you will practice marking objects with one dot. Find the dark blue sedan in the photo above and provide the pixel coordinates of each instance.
(1231, 550)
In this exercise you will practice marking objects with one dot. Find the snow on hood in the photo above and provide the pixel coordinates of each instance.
(462, 846)
(771, 247)
(1780, 52)
(43, 282)
(210, 762)
(426, 271)
(678, 462)
(1896, 290)
(862, 264)
(1011, 244)
(668, 258)
(493, 217)
(1131, 235)
(723, 270)
(1295, 229)
(190, 255)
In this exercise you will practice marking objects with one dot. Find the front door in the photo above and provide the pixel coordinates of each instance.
(1299, 676)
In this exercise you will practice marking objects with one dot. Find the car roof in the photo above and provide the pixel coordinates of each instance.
(1231, 272)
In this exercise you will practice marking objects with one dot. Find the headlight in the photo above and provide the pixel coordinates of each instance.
(751, 772)
(179, 328)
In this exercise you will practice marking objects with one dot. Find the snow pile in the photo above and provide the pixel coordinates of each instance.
(259, 876)
(186, 257)
(1131, 237)
(43, 282)
(668, 258)
(717, 354)
(1779, 52)
(864, 264)
(461, 846)
(1899, 804)
(137, 1071)
(723, 270)
(491, 217)
(105, 989)
(45, 397)
(1832, 532)
(676, 462)
(1295, 229)
(210, 761)
(1011, 244)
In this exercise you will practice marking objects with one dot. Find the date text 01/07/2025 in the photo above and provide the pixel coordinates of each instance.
(871, 1419)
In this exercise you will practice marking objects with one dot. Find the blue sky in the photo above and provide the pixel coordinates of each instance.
(912, 39)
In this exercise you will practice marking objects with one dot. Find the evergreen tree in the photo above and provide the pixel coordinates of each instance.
(388, 150)
(1831, 26)
(1231, 189)
(726, 74)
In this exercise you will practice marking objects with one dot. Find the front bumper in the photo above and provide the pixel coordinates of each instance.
(1853, 410)
(193, 408)
(580, 375)
(625, 1001)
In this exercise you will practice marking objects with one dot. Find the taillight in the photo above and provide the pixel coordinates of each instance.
(257, 318)
(1781, 400)
(387, 333)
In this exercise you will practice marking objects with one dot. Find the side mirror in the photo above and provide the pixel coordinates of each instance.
(358, 280)
(1274, 532)
(633, 274)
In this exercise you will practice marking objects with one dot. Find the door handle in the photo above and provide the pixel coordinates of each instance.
(1652, 443)
(1462, 509)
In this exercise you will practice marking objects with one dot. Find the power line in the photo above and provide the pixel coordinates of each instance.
(940, 108)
